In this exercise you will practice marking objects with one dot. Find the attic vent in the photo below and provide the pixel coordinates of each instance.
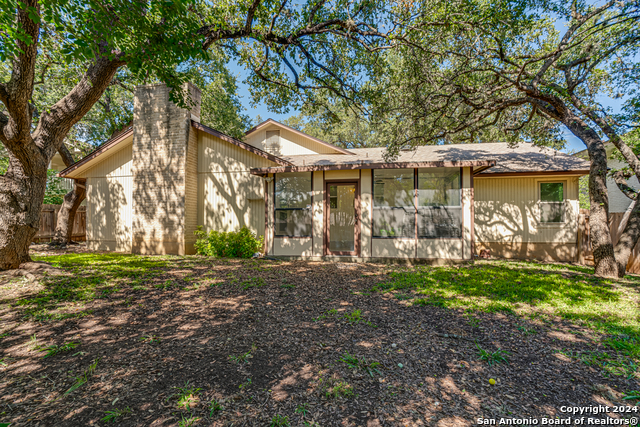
(407, 148)
(272, 143)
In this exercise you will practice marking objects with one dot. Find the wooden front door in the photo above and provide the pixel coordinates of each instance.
(342, 222)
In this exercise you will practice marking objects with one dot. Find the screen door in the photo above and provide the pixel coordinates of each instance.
(342, 227)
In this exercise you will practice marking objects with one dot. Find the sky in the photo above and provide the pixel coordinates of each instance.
(245, 98)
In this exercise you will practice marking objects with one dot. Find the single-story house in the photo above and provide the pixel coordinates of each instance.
(151, 186)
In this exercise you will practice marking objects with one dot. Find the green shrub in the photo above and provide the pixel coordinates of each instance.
(55, 191)
(228, 244)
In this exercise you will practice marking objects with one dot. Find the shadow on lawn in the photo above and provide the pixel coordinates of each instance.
(266, 338)
(522, 286)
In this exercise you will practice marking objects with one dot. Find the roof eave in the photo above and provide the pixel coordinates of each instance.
(362, 165)
(107, 146)
(243, 145)
(574, 172)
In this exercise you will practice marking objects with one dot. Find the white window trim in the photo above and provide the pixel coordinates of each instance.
(565, 184)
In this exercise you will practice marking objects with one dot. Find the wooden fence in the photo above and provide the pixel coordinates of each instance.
(585, 252)
(49, 219)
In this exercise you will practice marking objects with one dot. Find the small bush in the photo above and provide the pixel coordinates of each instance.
(228, 244)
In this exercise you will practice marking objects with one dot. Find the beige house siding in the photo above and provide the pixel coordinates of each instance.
(229, 197)
(116, 164)
(290, 144)
(318, 213)
(342, 175)
(442, 249)
(109, 203)
(191, 191)
(618, 202)
(467, 201)
(366, 212)
(507, 218)
(296, 247)
(404, 247)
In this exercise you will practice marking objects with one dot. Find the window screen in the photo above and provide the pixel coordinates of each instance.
(439, 203)
(393, 203)
(551, 202)
(293, 204)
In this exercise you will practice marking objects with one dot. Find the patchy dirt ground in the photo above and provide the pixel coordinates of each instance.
(264, 340)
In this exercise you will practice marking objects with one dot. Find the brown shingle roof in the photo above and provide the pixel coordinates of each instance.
(523, 158)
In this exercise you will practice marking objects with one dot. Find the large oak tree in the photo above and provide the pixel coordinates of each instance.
(525, 70)
(287, 47)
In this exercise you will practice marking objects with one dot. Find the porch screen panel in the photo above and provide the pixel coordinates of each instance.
(293, 204)
(393, 203)
(439, 203)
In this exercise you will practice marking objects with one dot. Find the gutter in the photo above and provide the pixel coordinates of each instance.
(364, 165)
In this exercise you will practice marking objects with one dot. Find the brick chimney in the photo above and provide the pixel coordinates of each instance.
(165, 166)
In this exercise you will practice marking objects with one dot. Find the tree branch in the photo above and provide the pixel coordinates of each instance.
(250, 14)
(19, 89)
(67, 158)
(54, 124)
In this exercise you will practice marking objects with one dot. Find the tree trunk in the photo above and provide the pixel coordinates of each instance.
(21, 199)
(628, 238)
(67, 213)
(603, 253)
(72, 200)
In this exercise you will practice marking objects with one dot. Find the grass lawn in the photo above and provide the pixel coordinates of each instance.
(113, 339)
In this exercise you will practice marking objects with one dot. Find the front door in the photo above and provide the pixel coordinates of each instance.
(342, 226)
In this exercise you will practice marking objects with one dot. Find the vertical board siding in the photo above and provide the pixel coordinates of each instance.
(117, 164)
(109, 202)
(109, 213)
(229, 197)
(191, 191)
(318, 213)
(229, 201)
(394, 248)
(507, 211)
(216, 155)
(291, 143)
(467, 200)
(366, 209)
(618, 202)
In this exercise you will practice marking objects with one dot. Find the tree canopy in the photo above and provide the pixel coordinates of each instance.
(288, 48)
(503, 72)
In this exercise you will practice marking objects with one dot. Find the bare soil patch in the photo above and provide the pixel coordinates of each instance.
(268, 340)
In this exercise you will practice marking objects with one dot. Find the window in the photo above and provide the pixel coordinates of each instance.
(551, 202)
(439, 203)
(393, 203)
(272, 144)
(293, 204)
